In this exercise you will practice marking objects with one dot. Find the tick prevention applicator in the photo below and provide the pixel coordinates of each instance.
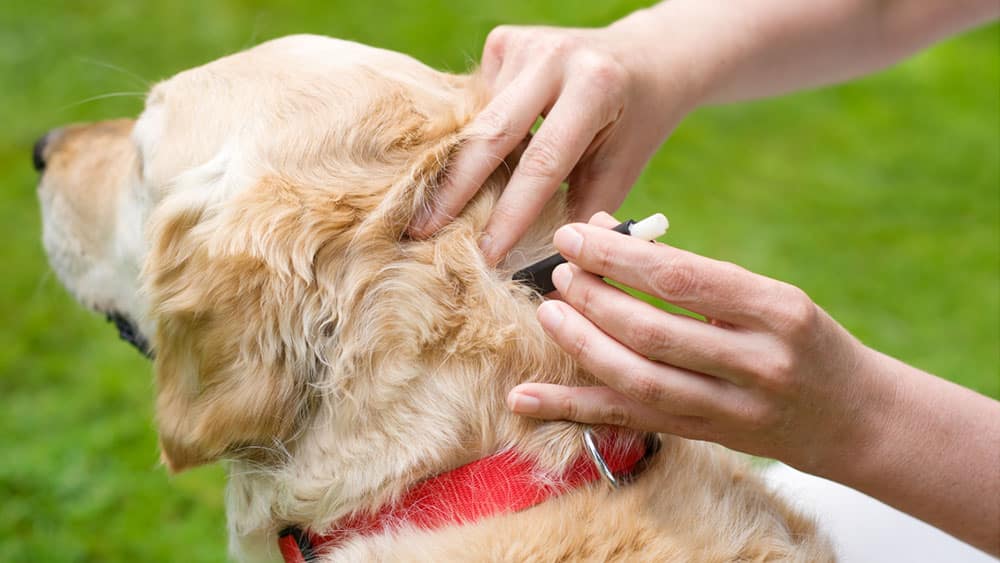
(538, 276)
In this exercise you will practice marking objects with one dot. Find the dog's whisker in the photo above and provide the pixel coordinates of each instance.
(131, 74)
(41, 285)
(103, 96)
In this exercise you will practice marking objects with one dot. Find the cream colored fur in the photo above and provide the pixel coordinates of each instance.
(253, 223)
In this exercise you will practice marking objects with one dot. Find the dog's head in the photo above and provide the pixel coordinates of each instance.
(251, 224)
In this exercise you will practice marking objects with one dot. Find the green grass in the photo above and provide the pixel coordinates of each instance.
(880, 198)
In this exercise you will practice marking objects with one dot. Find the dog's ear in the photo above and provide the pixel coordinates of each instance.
(412, 193)
(210, 401)
(426, 142)
(232, 356)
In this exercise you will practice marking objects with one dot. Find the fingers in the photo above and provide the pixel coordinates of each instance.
(677, 340)
(598, 405)
(673, 390)
(494, 51)
(603, 219)
(568, 130)
(495, 133)
(709, 287)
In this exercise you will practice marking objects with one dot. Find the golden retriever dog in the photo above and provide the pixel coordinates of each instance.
(250, 226)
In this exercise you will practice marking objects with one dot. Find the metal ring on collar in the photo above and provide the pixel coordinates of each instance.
(590, 444)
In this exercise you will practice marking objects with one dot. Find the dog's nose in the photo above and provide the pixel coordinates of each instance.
(38, 153)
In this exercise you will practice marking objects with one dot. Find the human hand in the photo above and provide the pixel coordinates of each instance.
(769, 373)
(605, 115)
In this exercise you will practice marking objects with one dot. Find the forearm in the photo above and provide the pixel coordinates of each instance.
(930, 448)
(743, 49)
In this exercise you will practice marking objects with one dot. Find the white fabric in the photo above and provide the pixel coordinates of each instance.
(864, 529)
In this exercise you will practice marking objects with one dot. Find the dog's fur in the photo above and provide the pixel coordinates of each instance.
(252, 222)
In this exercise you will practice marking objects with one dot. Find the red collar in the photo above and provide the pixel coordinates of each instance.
(502, 483)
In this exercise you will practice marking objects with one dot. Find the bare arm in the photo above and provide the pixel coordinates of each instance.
(744, 49)
(934, 454)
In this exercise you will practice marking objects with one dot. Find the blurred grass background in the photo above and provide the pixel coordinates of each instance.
(880, 198)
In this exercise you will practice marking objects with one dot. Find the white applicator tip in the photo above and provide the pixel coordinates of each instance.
(650, 228)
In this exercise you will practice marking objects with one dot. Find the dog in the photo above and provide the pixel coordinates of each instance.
(248, 231)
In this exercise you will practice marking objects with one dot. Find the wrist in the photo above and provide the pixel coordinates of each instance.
(687, 50)
(865, 406)
(927, 447)
(885, 430)
(662, 67)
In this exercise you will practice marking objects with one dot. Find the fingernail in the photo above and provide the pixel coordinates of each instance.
(550, 315)
(568, 241)
(523, 404)
(604, 216)
(561, 276)
(486, 244)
